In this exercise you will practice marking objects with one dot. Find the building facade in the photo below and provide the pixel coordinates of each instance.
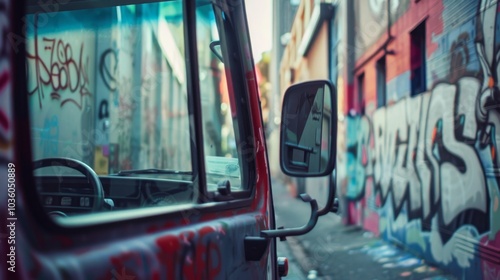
(283, 18)
(418, 97)
(306, 55)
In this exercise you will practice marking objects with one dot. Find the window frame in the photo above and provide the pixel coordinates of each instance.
(96, 221)
(360, 81)
(381, 69)
(419, 34)
(233, 55)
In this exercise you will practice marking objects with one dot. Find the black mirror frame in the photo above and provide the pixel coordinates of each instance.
(333, 129)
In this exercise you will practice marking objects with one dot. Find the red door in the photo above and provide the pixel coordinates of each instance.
(133, 140)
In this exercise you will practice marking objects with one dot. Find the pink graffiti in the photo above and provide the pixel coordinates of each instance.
(490, 254)
(490, 272)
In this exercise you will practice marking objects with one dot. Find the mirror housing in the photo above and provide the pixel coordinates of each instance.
(308, 136)
(308, 141)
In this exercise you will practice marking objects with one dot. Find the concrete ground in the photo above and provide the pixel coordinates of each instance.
(333, 250)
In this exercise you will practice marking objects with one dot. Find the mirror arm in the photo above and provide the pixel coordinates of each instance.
(331, 195)
(282, 233)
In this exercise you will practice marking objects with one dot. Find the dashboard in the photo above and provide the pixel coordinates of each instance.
(67, 195)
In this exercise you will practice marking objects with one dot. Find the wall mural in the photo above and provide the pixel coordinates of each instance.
(88, 115)
(425, 170)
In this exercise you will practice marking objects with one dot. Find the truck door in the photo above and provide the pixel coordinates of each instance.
(139, 151)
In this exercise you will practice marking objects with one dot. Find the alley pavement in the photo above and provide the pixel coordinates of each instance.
(333, 250)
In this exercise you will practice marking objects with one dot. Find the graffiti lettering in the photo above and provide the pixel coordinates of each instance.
(428, 154)
(459, 57)
(108, 67)
(426, 169)
(103, 114)
(103, 110)
(56, 68)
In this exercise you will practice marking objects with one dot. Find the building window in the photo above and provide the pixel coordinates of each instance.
(417, 60)
(361, 94)
(381, 83)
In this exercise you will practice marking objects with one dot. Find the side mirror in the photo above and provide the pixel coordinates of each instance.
(307, 148)
(309, 129)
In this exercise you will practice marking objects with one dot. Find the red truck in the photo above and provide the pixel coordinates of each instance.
(132, 143)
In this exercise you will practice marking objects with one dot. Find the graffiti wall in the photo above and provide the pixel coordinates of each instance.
(423, 170)
(90, 81)
(61, 88)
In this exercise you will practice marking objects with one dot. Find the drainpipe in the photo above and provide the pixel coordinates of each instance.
(388, 19)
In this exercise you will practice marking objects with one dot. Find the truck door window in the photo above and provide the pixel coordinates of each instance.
(108, 91)
(222, 160)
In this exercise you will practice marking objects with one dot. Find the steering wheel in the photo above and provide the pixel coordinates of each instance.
(82, 168)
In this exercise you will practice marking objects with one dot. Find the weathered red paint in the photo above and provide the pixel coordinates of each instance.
(195, 254)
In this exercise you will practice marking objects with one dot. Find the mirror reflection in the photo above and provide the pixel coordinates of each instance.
(306, 144)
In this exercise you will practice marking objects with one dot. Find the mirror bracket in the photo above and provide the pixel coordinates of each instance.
(283, 233)
(255, 246)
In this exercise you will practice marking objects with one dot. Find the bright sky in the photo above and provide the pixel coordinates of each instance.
(259, 15)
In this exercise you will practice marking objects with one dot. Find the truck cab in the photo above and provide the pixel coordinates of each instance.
(132, 143)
